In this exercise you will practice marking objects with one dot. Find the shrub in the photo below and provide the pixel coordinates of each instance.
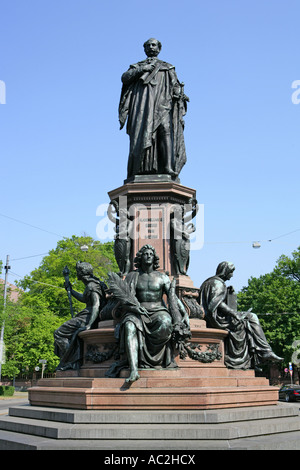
(7, 390)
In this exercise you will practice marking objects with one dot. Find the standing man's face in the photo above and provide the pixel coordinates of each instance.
(152, 48)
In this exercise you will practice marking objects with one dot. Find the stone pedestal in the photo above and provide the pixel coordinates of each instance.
(150, 205)
(194, 385)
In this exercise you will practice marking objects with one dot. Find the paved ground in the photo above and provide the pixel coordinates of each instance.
(18, 398)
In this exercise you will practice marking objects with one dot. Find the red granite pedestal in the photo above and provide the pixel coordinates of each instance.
(194, 385)
(150, 203)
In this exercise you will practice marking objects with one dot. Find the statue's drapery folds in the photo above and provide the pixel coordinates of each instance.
(246, 345)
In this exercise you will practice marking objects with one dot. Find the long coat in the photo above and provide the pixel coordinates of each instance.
(148, 103)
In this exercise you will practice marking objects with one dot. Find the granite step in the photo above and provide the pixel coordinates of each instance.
(151, 382)
(283, 441)
(150, 431)
(206, 370)
(281, 410)
(37, 428)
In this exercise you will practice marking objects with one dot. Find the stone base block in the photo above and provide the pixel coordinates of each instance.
(114, 394)
(175, 389)
(193, 385)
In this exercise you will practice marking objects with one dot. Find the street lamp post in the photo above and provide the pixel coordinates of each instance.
(6, 267)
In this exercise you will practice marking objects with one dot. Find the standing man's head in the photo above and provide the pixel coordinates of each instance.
(152, 47)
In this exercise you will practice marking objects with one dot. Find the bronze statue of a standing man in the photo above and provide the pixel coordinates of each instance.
(153, 103)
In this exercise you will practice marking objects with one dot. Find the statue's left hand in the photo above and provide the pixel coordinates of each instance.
(237, 319)
(84, 328)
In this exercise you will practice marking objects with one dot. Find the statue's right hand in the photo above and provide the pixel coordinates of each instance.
(139, 310)
(142, 311)
(68, 285)
(148, 67)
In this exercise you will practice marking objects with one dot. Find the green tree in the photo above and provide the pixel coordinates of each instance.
(275, 298)
(290, 267)
(43, 305)
(28, 337)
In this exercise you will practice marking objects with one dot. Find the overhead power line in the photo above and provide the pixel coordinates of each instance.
(280, 313)
(61, 236)
(251, 241)
(32, 256)
(284, 235)
(30, 225)
(38, 282)
(255, 244)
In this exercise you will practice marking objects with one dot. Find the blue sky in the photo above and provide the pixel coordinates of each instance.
(60, 144)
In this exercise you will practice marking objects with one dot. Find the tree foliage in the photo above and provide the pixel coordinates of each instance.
(290, 267)
(275, 297)
(28, 337)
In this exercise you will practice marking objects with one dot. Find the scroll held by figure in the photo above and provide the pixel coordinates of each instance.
(153, 103)
(246, 346)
